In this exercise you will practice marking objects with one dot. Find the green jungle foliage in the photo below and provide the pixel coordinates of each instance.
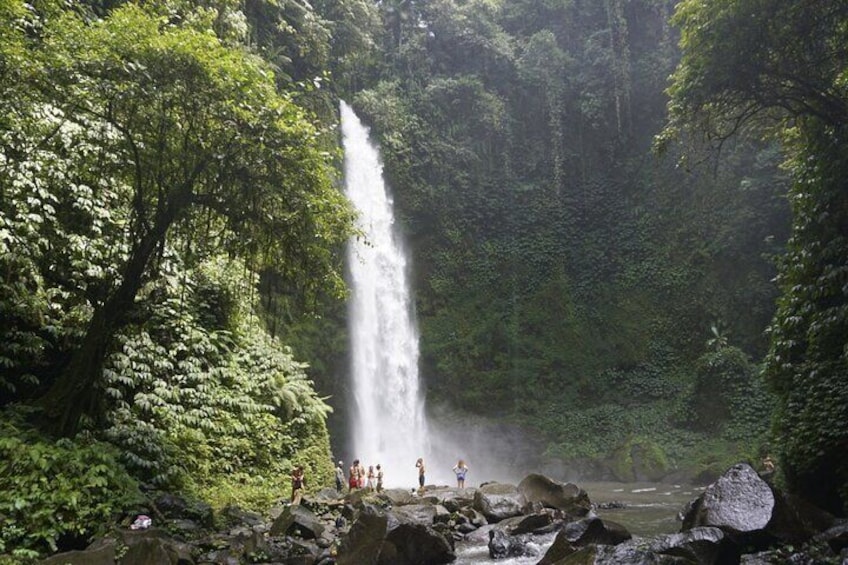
(56, 488)
(566, 276)
(152, 166)
(747, 64)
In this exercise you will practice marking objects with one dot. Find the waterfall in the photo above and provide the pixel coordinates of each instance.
(387, 423)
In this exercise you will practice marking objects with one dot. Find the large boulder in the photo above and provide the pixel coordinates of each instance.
(380, 538)
(752, 513)
(364, 542)
(415, 544)
(422, 514)
(298, 519)
(397, 496)
(102, 554)
(588, 531)
(594, 531)
(567, 497)
(498, 501)
(739, 502)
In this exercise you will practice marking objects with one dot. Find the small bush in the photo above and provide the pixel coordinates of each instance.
(67, 488)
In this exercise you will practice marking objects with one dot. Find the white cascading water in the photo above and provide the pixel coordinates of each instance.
(388, 425)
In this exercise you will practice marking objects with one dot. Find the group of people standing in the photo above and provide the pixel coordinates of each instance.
(372, 479)
(358, 477)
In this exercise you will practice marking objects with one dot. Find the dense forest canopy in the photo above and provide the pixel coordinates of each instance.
(171, 229)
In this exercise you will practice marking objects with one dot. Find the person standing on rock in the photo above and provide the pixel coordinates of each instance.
(361, 475)
(298, 483)
(340, 478)
(379, 478)
(372, 478)
(460, 469)
(354, 475)
(420, 465)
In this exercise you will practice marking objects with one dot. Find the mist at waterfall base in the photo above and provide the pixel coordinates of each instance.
(388, 423)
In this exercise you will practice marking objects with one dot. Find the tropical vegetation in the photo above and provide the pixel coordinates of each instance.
(645, 274)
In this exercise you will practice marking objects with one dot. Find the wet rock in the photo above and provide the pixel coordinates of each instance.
(502, 544)
(534, 523)
(620, 555)
(363, 543)
(594, 531)
(476, 518)
(704, 546)
(752, 513)
(415, 544)
(566, 497)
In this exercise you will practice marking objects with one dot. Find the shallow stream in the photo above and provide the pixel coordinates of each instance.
(648, 509)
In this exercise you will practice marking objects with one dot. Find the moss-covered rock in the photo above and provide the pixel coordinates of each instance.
(639, 459)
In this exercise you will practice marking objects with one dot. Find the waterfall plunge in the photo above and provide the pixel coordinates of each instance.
(388, 425)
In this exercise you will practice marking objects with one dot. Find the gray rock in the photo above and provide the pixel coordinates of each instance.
(738, 502)
(531, 524)
(397, 496)
(363, 544)
(594, 531)
(503, 545)
(752, 513)
(454, 499)
(476, 518)
(102, 554)
(423, 514)
(705, 546)
(566, 497)
(620, 555)
(298, 519)
(414, 544)
(498, 501)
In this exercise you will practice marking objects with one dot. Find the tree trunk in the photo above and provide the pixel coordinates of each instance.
(74, 393)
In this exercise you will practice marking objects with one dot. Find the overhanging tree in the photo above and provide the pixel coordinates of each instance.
(202, 138)
(784, 66)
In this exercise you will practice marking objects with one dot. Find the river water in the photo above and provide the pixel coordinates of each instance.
(648, 509)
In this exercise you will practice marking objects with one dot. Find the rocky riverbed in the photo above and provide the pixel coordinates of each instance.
(738, 519)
